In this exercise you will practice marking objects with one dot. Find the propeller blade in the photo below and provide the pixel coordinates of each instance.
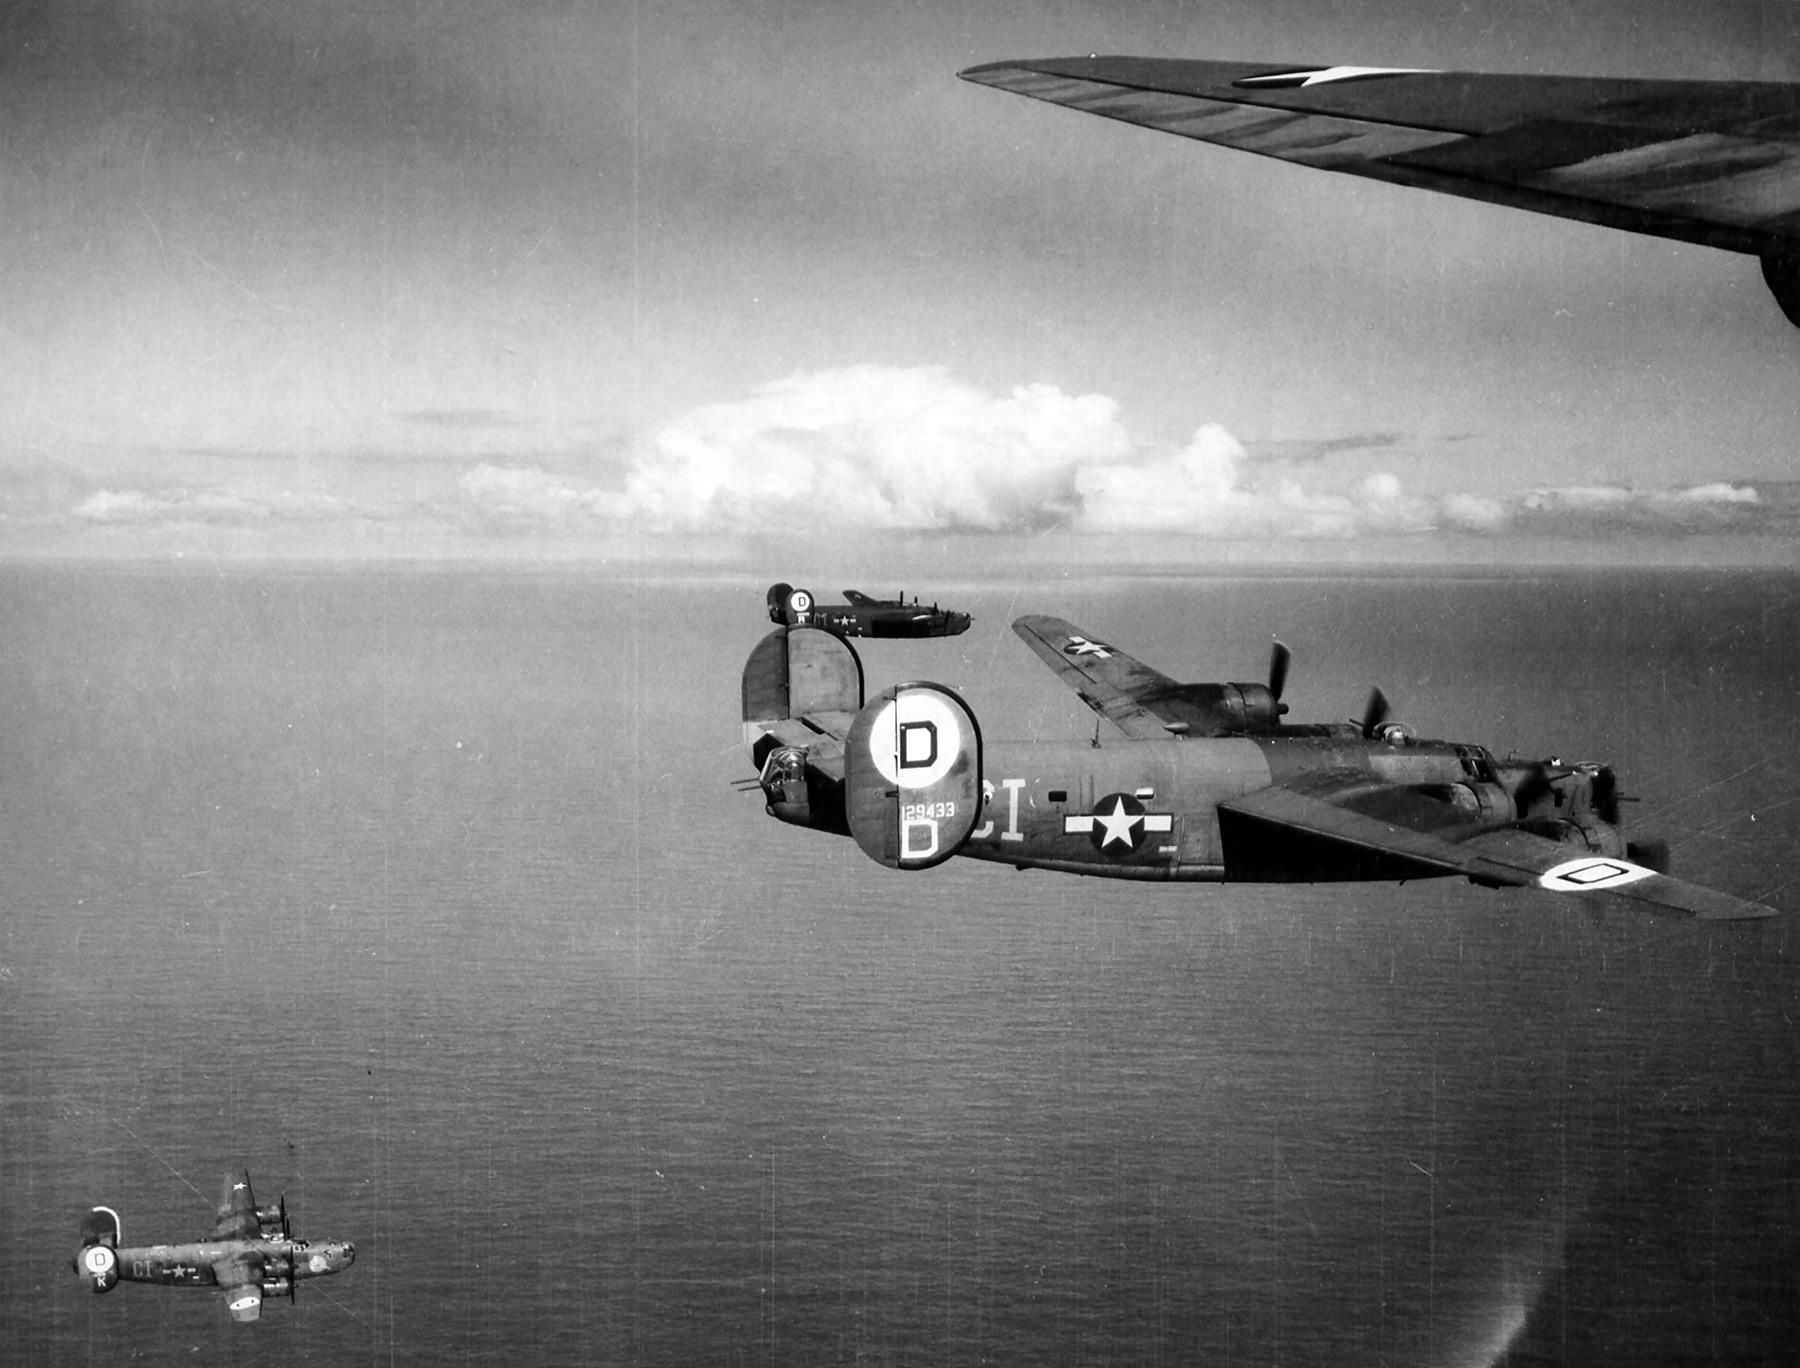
(1279, 656)
(1375, 713)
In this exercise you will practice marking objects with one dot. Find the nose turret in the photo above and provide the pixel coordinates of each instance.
(330, 1256)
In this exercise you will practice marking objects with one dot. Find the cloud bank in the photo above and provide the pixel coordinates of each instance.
(136, 506)
(861, 450)
(914, 449)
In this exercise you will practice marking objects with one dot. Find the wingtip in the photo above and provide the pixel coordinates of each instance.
(981, 70)
(1739, 909)
(1700, 902)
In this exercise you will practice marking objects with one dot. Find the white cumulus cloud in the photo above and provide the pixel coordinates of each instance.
(875, 446)
(915, 449)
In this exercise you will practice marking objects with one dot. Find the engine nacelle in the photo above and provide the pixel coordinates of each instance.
(99, 1264)
(277, 1287)
(1487, 803)
(1577, 805)
(1599, 838)
(1254, 707)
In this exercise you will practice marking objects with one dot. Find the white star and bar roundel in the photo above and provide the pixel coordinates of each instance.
(1311, 76)
(1081, 646)
(1118, 824)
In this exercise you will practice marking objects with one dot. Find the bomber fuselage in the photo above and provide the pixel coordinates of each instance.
(191, 1264)
(1151, 809)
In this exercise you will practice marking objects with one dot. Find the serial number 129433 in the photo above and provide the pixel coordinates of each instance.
(923, 812)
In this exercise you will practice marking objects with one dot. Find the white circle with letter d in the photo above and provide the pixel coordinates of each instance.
(915, 740)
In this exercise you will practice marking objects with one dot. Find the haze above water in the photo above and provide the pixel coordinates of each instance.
(423, 894)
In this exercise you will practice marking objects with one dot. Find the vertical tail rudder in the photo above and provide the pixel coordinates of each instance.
(912, 776)
(802, 689)
(797, 672)
(98, 1259)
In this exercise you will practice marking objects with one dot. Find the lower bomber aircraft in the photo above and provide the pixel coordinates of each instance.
(863, 616)
(1710, 162)
(1208, 784)
(251, 1254)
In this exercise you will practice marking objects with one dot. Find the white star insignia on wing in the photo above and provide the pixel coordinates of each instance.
(1325, 75)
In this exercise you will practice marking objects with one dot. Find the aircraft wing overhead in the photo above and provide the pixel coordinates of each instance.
(1109, 681)
(240, 1278)
(237, 1211)
(1403, 827)
(1709, 162)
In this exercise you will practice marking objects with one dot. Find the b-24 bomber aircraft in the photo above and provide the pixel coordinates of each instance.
(251, 1254)
(863, 616)
(1709, 162)
(1208, 784)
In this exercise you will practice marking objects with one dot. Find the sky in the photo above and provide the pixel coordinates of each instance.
(727, 283)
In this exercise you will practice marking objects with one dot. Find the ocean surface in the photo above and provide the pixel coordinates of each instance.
(423, 894)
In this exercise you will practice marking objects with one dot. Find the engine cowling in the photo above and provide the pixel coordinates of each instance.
(100, 1266)
(1254, 707)
(277, 1287)
(1487, 803)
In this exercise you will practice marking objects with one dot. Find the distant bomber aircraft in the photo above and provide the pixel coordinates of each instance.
(251, 1254)
(1711, 162)
(862, 615)
(1208, 784)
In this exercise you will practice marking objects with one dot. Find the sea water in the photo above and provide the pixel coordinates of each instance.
(424, 895)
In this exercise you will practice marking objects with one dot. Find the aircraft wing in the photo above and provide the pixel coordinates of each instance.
(237, 1210)
(1123, 690)
(239, 1276)
(1404, 828)
(1710, 162)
